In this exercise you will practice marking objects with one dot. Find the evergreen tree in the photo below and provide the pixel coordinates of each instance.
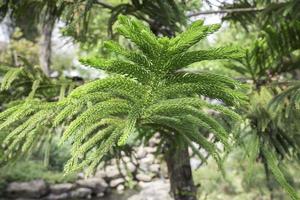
(24, 83)
(268, 65)
(147, 92)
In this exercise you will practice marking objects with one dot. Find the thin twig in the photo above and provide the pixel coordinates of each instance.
(234, 10)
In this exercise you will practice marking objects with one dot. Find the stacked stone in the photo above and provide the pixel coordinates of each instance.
(117, 175)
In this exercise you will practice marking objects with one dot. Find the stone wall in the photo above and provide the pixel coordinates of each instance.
(118, 175)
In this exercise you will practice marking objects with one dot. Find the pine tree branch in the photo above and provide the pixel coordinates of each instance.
(234, 10)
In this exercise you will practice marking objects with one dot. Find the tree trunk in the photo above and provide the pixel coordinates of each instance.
(48, 22)
(180, 174)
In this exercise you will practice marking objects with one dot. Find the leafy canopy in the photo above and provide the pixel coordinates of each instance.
(270, 132)
(147, 89)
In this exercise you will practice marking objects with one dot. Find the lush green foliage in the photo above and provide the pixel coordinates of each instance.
(271, 61)
(31, 170)
(147, 89)
(236, 186)
(28, 82)
(266, 137)
(24, 84)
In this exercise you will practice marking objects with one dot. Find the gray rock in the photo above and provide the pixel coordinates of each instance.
(149, 159)
(154, 140)
(112, 172)
(101, 194)
(164, 170)
(127, 168)
(126, 159)
(120, 189)
(155, 168)
(96, 184)
(157, 161)
(141, 153)
(113, 161)
(57, 196)
(100, 173)
(142, 184)
(115, 182)
(80, 175)
(150, 149)
(156, 190)
(20, 198)
(144, 177)
(131, 167)
(61, 188)
(81, 193)
(144, 166)
(32, 189)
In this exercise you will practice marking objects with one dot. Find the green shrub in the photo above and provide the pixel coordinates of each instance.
(31, 170)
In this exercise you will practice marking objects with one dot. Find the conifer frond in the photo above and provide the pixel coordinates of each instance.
(9, 77)
(189, 128)
(20, 113)
(28, 125)
(129, 128)
(212, 125)
(92, 141)
(103, 149)
(204, 78)
(30, 82)
(68, 111)
(180, 103)
(118, 66)
(139, 34)
(187, 58)
(144, 90)
(273, 166)
(95, 113)
(34, 87)
(292, 95)
(208, 146)
(114, 82)
(89, 128)
(133, 56)
(193, 35)
(194, 149)
(269, 139)
(252, 154)
(225, 94)
(30, 139)
(5, 114)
